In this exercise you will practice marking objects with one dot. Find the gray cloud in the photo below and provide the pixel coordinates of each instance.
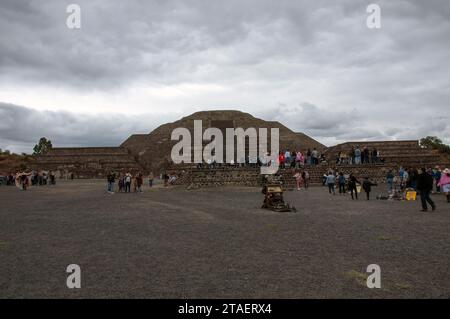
(270, 56)
(21, 127)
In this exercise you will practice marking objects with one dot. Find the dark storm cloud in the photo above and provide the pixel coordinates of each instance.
(361, 83)
(172, 40)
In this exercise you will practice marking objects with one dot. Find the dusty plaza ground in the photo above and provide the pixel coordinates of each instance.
(217, 243)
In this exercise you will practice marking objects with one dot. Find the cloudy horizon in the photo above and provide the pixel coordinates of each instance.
(313, 66)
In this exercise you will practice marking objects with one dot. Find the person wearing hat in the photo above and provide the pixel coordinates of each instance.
(444, 183)
(425, 186)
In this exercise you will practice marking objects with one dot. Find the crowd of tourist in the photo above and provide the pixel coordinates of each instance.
(285, 159)
(359, 155)
(128, 182)
(422, 181)
(302, 178)
(23, 180)
(298, 159)
(347, 184)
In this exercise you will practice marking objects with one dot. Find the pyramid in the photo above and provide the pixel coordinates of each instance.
(152, 151)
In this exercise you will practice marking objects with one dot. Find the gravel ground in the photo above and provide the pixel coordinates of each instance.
(217, 243)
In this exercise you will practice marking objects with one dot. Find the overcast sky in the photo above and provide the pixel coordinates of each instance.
(315, 66)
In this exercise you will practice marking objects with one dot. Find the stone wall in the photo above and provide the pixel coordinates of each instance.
(194, 178)
(406, 153)
(90, 162)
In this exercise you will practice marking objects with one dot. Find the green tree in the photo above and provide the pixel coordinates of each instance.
(4, 152)
(434, 142)
(42, 146)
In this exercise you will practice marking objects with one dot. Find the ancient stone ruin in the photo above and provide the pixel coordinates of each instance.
(151, 153)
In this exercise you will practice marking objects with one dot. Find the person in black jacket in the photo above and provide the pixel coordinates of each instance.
(352, 181)
(367, 186)
(111, 179)
(425, 186)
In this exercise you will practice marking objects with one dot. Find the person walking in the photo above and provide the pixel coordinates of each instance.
(425, 186)
(367, 186)
(444, 183)
(298, 179)
(24, 181)
(341, 181)
(352, 181)
(305, 177)
(331, 180)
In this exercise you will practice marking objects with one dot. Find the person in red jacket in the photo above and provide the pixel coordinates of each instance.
(281, 159)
